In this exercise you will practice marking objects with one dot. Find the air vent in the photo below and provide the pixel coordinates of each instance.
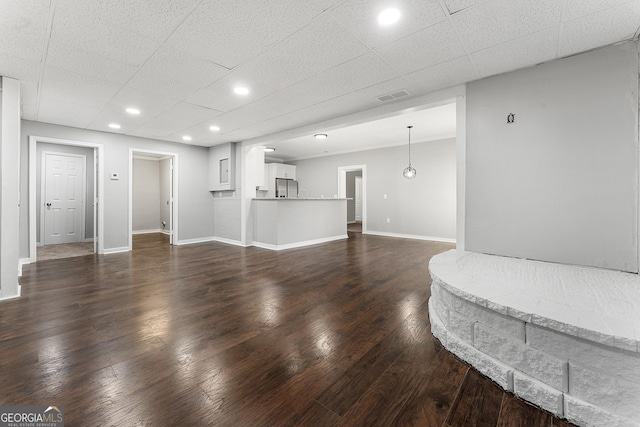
(390, 96)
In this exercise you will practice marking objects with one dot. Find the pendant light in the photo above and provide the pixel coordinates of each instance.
(409, 172)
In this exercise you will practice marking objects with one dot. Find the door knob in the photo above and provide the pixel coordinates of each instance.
(48, 205)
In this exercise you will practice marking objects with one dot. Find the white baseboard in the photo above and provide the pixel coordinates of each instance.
(21, 262)
(5, 298)
(229, 241)
(165, 232)
(156, 230)
(410, 236)
(116, 250)
(299, 244)
(194, 241)
(351, 222)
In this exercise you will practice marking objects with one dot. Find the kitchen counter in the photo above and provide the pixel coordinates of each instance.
(284, 223)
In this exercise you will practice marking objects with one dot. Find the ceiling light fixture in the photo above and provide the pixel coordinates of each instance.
(269, 149)
(132, 110)
(388, 17)
(114, 126)
(241, 90)
(409, 172)
(186, 138)
(320, 135)
(214, 128)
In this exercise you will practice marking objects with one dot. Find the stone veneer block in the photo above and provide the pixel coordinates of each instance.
(506, 325)
(538, 364)
(603, 358)
(584, 414)
(445, 295)
(437, 328)
(538, 393)
(441, 310)
(492, 368)
(462, 326)
(605, 391)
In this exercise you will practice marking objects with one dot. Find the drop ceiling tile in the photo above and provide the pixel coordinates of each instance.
(600, 29)
(23, 26)
(71, 58)
(62, 112)
(494, 22)
(579, 8)
(455, 6)
(181, 66)
(443, 75)
(109, 115)
(19, 68)
(29, 111)
(361, 17)
(431, 46)
(531, 49)
(331, 108)
(321, 45)
(162, 85)
(28, 92)
(351, 77)
(273, 125)
(327, 4)
(219, 96)
(188, 114)
(229, 32)
(157, 128)
(76, 88)
(156, 19)
(150, 104)
(90, 32)
(384, 88)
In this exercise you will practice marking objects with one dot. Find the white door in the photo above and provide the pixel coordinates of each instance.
(63, 198)
(358, 198)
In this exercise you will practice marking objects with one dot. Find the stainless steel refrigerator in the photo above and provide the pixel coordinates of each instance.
(286, 187)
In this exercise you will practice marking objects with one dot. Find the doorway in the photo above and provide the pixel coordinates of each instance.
(352, 185)
(153, 194)
(72, 189)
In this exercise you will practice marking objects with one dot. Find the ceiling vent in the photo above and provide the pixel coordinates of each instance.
(390, 96)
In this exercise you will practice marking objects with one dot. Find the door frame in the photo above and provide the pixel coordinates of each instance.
(358, 178)
(342, 188)
(42, 193)
(98, 187)
(173, 189)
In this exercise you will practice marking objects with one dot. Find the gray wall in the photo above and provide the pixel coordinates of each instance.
(351, 194)
(165, 192)
(195, 202)
(146, 195)
(89, 172)
(561, 183)
(423, 207)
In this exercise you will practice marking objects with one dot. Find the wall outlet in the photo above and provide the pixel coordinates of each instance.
(388, 220)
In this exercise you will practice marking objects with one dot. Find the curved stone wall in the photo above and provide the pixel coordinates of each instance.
(537, 329)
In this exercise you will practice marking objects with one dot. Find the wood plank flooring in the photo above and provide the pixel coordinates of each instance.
(211, 334)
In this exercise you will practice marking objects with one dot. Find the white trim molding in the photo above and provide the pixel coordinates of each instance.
(299, 244)
(411, 236)
(120, 250)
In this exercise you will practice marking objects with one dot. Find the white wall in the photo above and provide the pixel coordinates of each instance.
(423, 207)
(561, 183)
(146, 195)
(89, 173)
(195, 201)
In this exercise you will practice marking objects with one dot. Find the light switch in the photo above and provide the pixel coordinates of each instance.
(114, 176)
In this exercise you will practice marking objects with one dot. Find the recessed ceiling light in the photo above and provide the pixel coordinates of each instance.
(320, 135)
(388, 16)
(241, 90)
(132, 110)
(114, 126)
(214, 128)
(186, 138)
(269, 149)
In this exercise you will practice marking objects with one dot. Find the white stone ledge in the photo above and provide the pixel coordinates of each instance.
(534, 328)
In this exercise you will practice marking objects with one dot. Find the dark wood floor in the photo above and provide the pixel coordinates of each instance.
(211, 334)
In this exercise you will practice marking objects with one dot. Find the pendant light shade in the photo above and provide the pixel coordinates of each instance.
(409, 172)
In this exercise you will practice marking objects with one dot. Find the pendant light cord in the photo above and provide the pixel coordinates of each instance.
(409, 127)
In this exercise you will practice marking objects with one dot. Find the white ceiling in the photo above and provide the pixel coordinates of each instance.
(82, 62)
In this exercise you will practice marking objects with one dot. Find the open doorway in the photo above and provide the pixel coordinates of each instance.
(351, 185)
(152, 197)
(64, 189)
